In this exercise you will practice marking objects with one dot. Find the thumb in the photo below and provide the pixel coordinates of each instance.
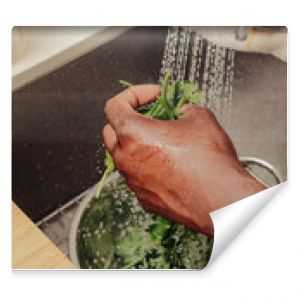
(122, 106)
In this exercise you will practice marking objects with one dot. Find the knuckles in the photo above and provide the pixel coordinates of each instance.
(199, 114)
(208, 112)
(205, 113)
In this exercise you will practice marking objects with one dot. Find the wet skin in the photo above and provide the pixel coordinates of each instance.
(182, 169)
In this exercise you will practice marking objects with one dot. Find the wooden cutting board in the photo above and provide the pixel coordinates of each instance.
(31, 249)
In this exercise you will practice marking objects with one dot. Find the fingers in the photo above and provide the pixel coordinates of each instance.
(122, 105)
(110, 138)
(191, 110)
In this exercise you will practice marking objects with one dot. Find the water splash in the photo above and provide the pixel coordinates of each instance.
(188, 56)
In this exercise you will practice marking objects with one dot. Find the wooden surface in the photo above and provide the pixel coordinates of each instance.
(31, 249)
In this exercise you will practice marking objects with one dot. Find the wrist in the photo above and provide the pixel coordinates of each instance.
(239, 185)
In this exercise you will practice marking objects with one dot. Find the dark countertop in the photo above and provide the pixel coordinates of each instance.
(57, 119)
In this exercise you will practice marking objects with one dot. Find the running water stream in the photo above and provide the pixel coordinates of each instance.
(188, 56)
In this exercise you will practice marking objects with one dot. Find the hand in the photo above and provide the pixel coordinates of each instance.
(181, 169)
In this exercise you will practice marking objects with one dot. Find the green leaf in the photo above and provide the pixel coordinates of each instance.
(125, 83)
(191, 93)
(158, 228)
(134, 247)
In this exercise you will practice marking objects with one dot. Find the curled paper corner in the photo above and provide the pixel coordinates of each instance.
(229, 221)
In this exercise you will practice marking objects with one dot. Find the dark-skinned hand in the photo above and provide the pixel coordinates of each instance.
(182, 169)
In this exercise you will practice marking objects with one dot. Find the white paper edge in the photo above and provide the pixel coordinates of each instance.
(229, 221)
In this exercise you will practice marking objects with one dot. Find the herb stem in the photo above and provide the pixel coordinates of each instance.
(102, 181)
